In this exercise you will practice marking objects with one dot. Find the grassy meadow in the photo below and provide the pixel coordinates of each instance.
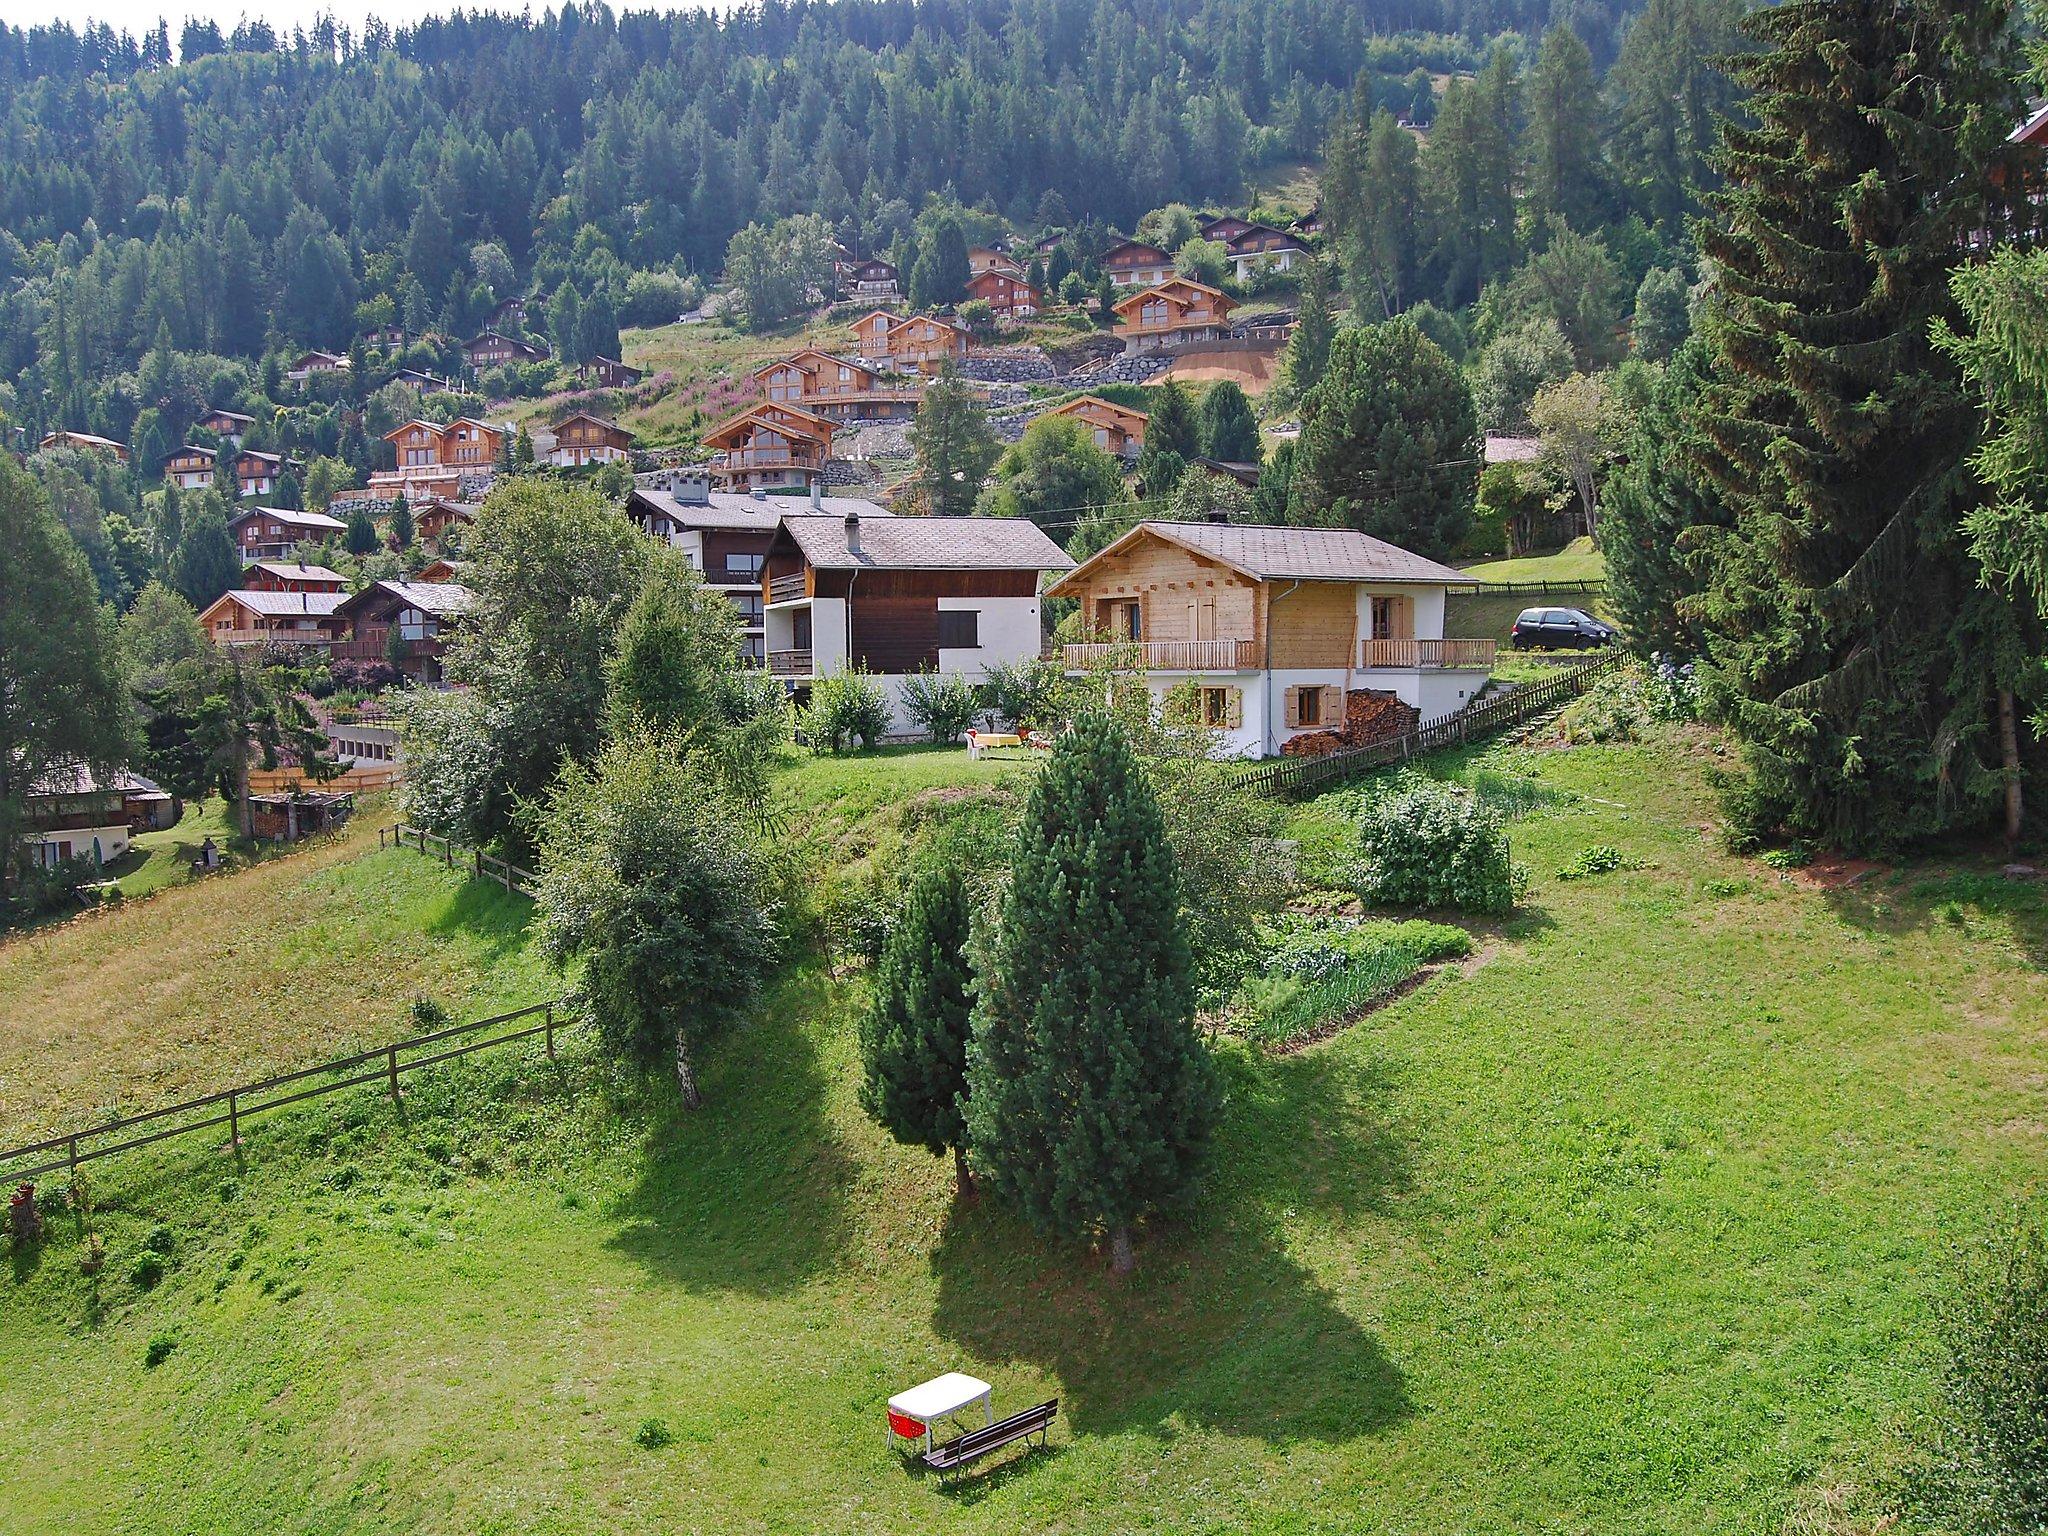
(1577, 561)
(1628, 1225)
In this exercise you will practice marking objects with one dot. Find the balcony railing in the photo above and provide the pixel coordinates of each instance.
(1165, 655)
(271, 637)
(1475, 655)
(760, 458)
(789, 663)
(786, 589)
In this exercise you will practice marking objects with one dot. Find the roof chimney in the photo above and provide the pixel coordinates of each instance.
(818, 495)
(853, 534)
(759, 494)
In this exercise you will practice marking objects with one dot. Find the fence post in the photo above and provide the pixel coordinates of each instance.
(391, 1069)
(73, 1149)
(551, 1031)
(477, 864)
(234, 1122)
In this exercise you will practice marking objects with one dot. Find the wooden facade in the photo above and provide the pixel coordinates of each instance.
(227, 424)
(270, 533)
(1118, 429)
(189, 468)
(1136, 264)
(839, 388)
(1175, 313)
(1005, 291)
(84, 440)
(292, 576)
(773, 443)
(588, 439)
(490, 349)
(924, 344)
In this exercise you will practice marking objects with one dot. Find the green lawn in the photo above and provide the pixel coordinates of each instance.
(1577, 561)
(1629, 1227)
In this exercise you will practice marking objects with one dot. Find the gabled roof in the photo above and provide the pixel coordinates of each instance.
(283, 605)
(1179, 287)
(209, 415)
(944, 325)
(1096, 402)
(810, 360)
(778, 414)
(292, 518)
(443, 599)
(924, 544)
(193, 450)
(889, 315)
(1265, 552)
(742, 511)
(337, 358)
(594, 419)
(1134, 253)
(294, 570)
(257, 453)
(2033, 129)
(89, 439)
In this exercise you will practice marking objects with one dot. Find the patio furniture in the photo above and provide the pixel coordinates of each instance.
(977, 1443)
(939, 1398)
(979, 742)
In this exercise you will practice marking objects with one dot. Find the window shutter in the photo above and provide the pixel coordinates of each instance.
(1233, 708)
(1332, 714)
(1291, 709)
(1404, 618)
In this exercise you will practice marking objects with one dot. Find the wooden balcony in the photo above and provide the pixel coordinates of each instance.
(1192, 320)
(765, 458)
(1164, 655)
(787, 589)
(789, 663)
(369, 643)
(1468, 655)
(226, 637)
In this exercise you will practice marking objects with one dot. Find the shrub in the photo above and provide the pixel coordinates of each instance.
(1670, 690)
(653, 1435)
(1431, 846)
(1600, 859)
(846, 708)
(1025, 692)
(146, 1271)
(158, 1350)
(1984, 1471)
(428, 1015)
(160, 1239)
(945, 708)
(1615, 708)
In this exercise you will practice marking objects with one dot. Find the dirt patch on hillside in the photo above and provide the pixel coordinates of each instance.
(1251, 371)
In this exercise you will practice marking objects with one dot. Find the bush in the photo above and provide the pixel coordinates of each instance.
(1025, 692)
(1600, 859)
(1432, 846)
(1670, 691)
(428, 1015)
(1615, 708)
(44, 888)
(846, 708)
(359, 677)
(653, 1435)
(146, 1271)
(945, 708)
(1984, 1471)
(158, 1350)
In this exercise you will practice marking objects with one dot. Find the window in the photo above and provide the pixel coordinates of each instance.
(1216, 710)
(749, 606)
(1308, 706)
(743, 567)
(959, 629)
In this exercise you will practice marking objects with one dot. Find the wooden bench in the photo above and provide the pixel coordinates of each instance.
(977, 1443)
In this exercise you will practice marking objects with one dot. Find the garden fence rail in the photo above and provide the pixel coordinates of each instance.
(484, 866)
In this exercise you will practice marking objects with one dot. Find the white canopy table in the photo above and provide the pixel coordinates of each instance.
(941, 1398)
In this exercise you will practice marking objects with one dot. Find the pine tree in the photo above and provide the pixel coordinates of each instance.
(954, 444)
(1308, 349)
(1090, 1097)
(361, 537)
(1845, 626)
(1564, 139)
(1170, 425)
(402, 529)
(1230, 432)
(206, 563)
(913, 1038)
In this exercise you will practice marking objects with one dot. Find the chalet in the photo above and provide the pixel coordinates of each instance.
(258, 473)
(1280, 628)
(1006, 292)
(311, 363)
(1254, 247)
(385, 336)
(506, 312)
(1225, 229)
(838, 388)
(438, 570)
(1177, 313)
(270, 533)
(74, 813)
(292, 576)
(425, 614)
(871, 335)
(492, 349)
(924, 344)
(227, 425)
(434, 457)
(1134, 264)
(607, 373)
(987, 258)
(769, 444)
(587, 439)
(252, 616)
(425, 383)
(725, 535)
(189, 468)
(901, 595)
(1310, 225)
(1118, 429)
(84, 440)
(437, 516)
(872, 279)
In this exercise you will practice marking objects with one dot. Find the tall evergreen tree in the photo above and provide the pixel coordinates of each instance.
(206, 563)
(1171, 426)
(1308, 349)
(913, 1038)
(402, 529)
(1846, 630)
(954, 444)
(1564, 139)
(361, 537)
(1230, 432)
(1090, 1097)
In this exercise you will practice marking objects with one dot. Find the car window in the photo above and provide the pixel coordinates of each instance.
(1573, 616)
(1556, 616)
(1531, 616)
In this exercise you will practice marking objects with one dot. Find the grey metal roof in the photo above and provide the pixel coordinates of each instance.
(291, 516)
(927, 543)
(439, 597)
(316, 605)
(1270, 552)
(298, 570)
(737, 509)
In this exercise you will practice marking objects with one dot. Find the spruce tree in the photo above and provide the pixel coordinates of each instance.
(1308, 349)
(913, 1038)
(1844, 622)
(1230, 432)
(361, 536)
(1090, 1097)
(954, 444)
(402, 529)
(1170, 425)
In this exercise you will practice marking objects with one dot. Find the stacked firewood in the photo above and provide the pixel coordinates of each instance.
(1369, 716)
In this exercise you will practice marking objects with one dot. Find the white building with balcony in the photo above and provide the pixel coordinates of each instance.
(1277, 627)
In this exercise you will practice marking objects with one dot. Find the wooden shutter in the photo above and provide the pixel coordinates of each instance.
(1331, 716)
(1233, 708)
(1291, 708)
(1404, 618)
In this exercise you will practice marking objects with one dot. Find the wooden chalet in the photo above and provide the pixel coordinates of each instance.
(271, 533)
(769, 444)
(256, 616)
(1005, 291)
(71, 812)
(1136, 264)
(837, 388)
(438, 570)
(437, 515)
(1253, 246)
(585, 438)
(310, 363)
(258, 473)
(871, 335)
(873, 278)
(230, 425)
(1177, 313)
(435, 457)
(607, 373)
(425, 614)
(1118, 429)
(425, 383)
(84, 440)
(492, 349)
(292, 576)
(190, 467)
(924, 344)
(989, 258)
(506, 312)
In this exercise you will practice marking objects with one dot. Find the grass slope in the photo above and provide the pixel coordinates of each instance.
(1577, 561)
(296, 959)
(1629, 1229)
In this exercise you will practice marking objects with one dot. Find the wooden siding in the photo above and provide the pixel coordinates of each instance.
(1313, 624)
(926, 584)
(1178, 594)
(896, 634)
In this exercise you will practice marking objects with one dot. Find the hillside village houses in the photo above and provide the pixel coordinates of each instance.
(435, 458)
(292, 576)
(1252, 246)
(840, 389)
(768, 445)
(73, 813)
(264, 616)
(1280, 628)
(434, 518)
(424, 613)
(1176, 313)
(897, 596)
(85, 440)
(585, 438)
(872, 279)
(225, 425)
(1117, 428)
(311, 363)
(1135, 264)
(490, 349)
(271, 533)
(1006, 292)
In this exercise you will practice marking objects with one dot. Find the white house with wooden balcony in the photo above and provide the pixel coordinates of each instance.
(896, 596)
(1275, 626)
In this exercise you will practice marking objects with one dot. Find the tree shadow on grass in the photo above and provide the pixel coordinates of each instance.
(487, 914)
(747, 1193)
(1219, 1327)
(1963, 895)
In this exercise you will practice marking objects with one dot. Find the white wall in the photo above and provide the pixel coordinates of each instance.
(1428, 605)
(1008, 631)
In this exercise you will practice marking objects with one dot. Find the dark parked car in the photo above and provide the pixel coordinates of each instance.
(1559, 629)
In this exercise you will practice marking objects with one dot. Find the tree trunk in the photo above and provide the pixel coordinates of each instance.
(242, 791)
(2009, 759)
(686, 1076)
(963, 1178)
(1121, 1261)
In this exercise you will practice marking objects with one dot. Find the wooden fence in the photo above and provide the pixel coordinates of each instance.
(1535, 588)
(1299, 775)
(483, 866)
(231, 1106)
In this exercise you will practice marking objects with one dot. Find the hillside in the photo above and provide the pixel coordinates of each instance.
(1628, 1227)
